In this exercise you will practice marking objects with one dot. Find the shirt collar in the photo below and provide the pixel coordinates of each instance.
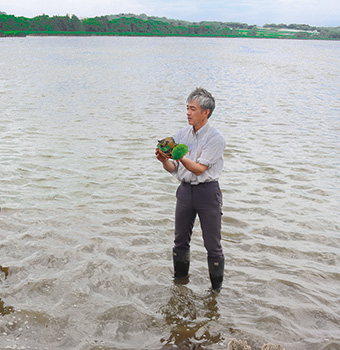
(202, 130)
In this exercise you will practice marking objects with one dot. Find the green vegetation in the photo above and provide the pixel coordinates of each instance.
(129, 24)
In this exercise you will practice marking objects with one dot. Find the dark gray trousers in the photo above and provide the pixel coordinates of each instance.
(205, 200)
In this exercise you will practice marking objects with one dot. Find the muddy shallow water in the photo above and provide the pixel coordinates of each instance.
(86, 221)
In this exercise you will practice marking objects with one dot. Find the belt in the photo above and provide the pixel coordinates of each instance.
(199, 184)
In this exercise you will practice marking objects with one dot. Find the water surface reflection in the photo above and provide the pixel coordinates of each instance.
(191, 318)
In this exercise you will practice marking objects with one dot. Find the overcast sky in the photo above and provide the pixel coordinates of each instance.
(313, 12)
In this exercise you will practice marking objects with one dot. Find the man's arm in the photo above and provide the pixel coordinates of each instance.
(195, 168)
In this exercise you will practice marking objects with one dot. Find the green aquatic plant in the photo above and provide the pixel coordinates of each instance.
(170, 149)
(179, 151)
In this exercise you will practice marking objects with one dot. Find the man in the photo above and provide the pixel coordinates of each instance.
(199, 191)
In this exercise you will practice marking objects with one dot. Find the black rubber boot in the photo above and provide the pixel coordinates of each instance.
(181, 260)
(216, 271)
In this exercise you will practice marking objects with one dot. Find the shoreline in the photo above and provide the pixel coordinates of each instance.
(23, 34)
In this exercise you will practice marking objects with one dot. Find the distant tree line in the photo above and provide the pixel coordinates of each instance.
(293, 26)
(104, 24)
(177, 22)
(40, 23)
(129, 24)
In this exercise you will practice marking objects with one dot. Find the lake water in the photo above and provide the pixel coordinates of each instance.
(87, 213)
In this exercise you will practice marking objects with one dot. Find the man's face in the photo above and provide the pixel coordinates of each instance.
(196, 116)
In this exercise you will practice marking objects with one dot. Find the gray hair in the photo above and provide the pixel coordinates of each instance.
(204, 99)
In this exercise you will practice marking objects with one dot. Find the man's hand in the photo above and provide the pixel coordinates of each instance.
(167, 164)
(160, 156)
